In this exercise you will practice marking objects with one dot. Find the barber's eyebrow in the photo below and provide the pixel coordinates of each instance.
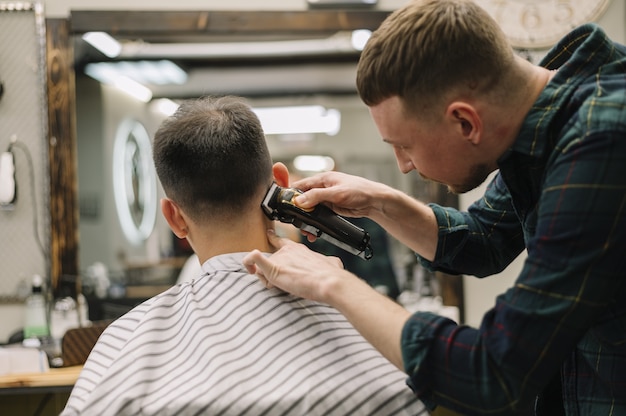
(390, 142)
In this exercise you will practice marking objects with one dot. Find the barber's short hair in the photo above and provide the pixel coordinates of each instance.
(211, 157)
(430, 47)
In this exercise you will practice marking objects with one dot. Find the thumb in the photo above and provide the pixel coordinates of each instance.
(306, 200)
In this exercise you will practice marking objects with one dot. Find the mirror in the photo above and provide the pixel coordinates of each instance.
(274, 59)
(271, 58)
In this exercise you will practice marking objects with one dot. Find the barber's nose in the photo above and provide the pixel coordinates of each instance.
(404, 162)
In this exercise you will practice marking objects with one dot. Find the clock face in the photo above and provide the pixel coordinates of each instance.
(541, 23)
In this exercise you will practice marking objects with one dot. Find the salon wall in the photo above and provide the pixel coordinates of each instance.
(23, 223)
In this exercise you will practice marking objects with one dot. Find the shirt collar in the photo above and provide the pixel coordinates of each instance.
(225, 263)
(577, 56)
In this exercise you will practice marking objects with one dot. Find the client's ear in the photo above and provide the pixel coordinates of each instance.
(281, 174)
(174, 217)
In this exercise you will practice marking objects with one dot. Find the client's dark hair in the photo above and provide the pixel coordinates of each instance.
(211, 156)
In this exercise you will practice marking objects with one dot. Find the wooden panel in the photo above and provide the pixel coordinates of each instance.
(62, 152)
(142, 23)
(52, 378)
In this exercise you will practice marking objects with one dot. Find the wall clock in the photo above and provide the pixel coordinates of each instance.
(540, 24)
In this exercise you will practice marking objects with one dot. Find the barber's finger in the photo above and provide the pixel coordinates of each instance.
(250, 265)
(257, 263)
(310, 237)
(249, 261)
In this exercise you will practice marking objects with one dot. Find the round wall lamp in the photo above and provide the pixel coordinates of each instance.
(134, 181)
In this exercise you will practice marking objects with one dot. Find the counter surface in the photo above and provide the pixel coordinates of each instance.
(56, 379)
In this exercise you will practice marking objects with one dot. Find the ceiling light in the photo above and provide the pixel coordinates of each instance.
(107, 74)
(162, 72)
(104, 43)
(132, 77)
(338, 44)
(360, 38)
(165, 106)
(133, 88)
(299, 119)
(313, 163)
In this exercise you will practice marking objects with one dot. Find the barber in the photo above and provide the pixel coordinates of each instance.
(455, 104)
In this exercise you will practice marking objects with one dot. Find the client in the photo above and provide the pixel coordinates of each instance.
(223, 343)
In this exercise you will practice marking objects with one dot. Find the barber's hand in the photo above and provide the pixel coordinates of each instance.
(296, 269)
(347, 195)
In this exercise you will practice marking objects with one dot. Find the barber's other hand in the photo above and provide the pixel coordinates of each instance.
(296, 269)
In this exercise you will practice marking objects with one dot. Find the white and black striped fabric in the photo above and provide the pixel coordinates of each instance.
(223, 344)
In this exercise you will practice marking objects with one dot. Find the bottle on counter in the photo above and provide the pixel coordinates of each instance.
(36, 318)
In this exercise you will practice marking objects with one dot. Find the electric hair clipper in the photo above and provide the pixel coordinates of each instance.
(320, 221)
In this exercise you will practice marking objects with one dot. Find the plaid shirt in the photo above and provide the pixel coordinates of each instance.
(560, 194)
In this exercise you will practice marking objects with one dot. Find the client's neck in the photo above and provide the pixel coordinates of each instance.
(245, 234)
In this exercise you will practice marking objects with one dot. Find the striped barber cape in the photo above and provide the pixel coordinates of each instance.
(223, 344)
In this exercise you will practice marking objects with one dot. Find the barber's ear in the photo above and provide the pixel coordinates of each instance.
(281, 174)
(467, 120)
(174, 217)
